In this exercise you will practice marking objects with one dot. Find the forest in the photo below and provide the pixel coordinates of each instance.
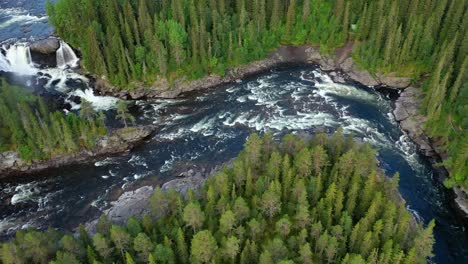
(28, 126)
(320, 200)
(142, 41)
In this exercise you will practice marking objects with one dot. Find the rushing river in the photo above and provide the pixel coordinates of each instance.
(208, 128)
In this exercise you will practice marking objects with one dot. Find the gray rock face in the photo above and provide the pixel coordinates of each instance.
(45, 46)
(363, 77)
(347, 65)
(411, 121)
(116, 142)
(396, 82)
(461, 201)
(129, 204)
(182, 185)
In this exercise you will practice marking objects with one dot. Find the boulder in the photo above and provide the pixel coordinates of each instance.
(461, 201)
(46, 46)
(347, 65)
(131, 203)
(327, 64)
(363, 77)
(400, 112)
(182, 185)
(396, 82)
(313, 55)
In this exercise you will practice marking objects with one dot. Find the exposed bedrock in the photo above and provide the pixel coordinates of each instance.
(46, 46)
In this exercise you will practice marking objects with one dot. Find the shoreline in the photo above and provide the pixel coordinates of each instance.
(340, 60)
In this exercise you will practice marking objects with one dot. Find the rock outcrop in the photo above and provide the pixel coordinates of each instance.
(461, 202)
(46, 46)
(406, 112)
(115, 142)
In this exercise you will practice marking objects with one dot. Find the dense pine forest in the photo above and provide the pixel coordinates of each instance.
(319, 201)
(29, 127)
(143, 41)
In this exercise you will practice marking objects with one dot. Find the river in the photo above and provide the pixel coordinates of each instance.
(208, 128)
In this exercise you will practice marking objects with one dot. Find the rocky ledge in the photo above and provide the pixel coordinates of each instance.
(135, 202)
(117, 141)
(340, 60)
(461, 202)
(407, 113)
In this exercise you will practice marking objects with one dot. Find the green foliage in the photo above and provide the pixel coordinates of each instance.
(306, 221)
(30, 128)
(406, 37)
(141, 41)
(138, 41)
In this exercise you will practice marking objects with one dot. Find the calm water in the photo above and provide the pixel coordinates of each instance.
(209, 128)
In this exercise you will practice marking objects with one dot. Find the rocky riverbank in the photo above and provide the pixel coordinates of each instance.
(340, 61)
(135, 202)
(115, 142)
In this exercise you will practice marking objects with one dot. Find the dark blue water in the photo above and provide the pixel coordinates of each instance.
(209, 128)
(23, 19)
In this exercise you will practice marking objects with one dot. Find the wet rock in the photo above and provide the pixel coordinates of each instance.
(46, 46)
(411, 121)
(75, 99)
(461, 201)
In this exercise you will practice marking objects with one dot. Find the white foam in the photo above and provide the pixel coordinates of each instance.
(137, 161)
(169, 163)
(25, 192)
(58, 78)
(17, 15)
(98, 102)
(104, 162)
(66, 57)
(415, 213)
(43, 201)
(18, 60)
(205, 126)
(326, 87)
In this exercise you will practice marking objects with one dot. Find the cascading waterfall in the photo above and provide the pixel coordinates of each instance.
(17, 59)
(66, 56)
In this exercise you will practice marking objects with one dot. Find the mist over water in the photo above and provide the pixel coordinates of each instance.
(205, 129)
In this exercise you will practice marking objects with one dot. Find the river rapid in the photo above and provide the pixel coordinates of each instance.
(208, 128)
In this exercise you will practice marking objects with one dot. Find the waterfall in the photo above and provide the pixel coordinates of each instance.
(66, 56)
(17, 59)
